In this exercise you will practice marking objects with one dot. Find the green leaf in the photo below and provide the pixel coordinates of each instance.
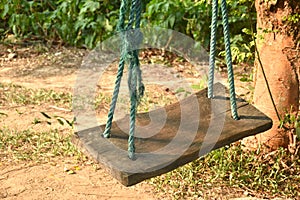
(19, 112)
(247, 31)
(89, 6)
(36, 121)
(298, 132)
(5, 11)
(1, 113)
(196, 87)
(179, 90)
(45, 115)
(60, 121)
(244, 79)
(71, 123)
(171, 21)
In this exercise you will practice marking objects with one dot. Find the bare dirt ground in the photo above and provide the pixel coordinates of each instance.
(51, 70)
(50, 181)
(38, 67)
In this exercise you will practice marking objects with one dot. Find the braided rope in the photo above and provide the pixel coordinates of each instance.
(135, 77)
(132, 38)
(132, 83)
(140, 86)
(229, 61)
(228, 55)
(120, 28)
(213, 38)
(122, 15)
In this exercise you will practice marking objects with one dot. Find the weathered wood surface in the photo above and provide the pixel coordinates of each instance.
(172, 136)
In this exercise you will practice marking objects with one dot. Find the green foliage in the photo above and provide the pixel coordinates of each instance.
(264, 175)
(202, 83)
(295, 18)
(74, 22)
(87, 22)
(193, 18)
(60, 119)
(17, 95)
(30, 145)
(189, 17)
(291, 121)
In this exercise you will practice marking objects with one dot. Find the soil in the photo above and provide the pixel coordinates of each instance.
(50, 181)
(55, 68)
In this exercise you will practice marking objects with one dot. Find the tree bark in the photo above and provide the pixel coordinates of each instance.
(278, 37)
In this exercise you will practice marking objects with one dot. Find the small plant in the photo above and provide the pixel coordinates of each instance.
(290, 123)
(293, 19)
(291, 120)
(29, 145)
(152, 100)
(61, 120)
(18, 95)
(81, 23)
(101, 100)
(3, 114)
(259, 174)
(247, 77)
(193, 19)
(202, 84)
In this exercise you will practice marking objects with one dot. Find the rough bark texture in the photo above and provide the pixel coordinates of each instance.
(278, 42)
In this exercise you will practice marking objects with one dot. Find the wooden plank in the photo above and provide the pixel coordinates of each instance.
(172, 136)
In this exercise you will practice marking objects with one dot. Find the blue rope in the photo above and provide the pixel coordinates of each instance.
(212, 55)
(229, 61)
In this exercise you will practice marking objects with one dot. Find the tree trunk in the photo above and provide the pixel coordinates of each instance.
(278, 26)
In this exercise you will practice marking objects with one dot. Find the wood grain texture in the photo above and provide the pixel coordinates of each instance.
(172, 136)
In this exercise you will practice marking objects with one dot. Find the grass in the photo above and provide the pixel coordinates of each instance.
(17, 95)
(228, 171)
(259, 174)
(11, 94)
(30, 145)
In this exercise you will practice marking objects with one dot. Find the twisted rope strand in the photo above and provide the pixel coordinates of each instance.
(229, 60)
(135, 78)
(212, 55)
(132, 15)
(132, 83)
(122, 15)
(141, 87)
(120, 28)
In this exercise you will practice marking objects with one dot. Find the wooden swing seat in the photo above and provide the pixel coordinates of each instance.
(166, 150)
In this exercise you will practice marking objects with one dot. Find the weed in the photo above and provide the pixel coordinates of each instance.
(12, 94)
(155, 99)
(79, 23)
(101, 100)
(292, 121)
(3, 114)
(260, 174)
(202, 84)
(60, 119)
(29, 145)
